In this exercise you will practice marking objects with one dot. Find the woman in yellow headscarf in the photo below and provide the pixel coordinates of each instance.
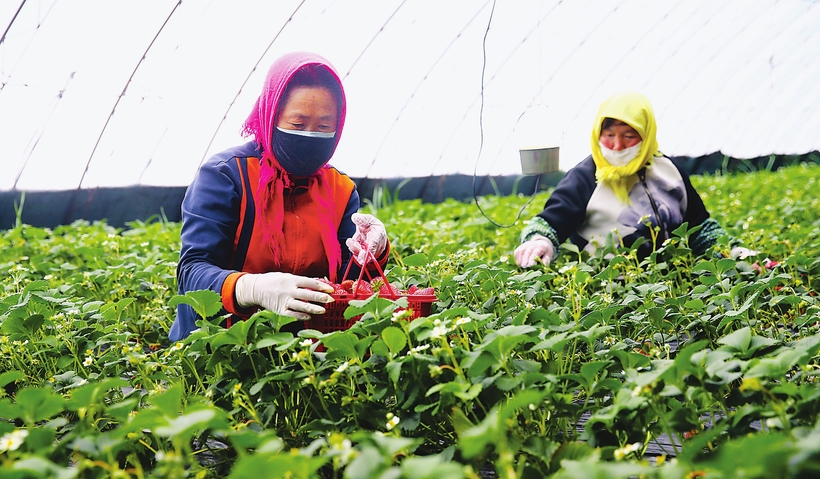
(624, 132)
(622, 192)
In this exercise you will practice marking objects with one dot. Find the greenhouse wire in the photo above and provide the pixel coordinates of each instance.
(124, 89)
(247, 78)
(417, 87)
(481, 141)
(3, 38)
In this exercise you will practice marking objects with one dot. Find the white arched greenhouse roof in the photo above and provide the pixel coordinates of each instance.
(114, 93)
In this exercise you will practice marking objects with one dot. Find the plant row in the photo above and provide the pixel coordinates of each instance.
(577, 369)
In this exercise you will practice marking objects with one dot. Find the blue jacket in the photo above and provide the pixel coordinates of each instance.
(218, 218)
(587, 212)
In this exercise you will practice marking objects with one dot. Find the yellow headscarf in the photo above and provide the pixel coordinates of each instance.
(635, 110)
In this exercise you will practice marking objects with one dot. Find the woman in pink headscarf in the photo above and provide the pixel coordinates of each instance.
(262, 221)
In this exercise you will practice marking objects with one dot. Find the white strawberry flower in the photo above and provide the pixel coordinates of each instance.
(13, 440)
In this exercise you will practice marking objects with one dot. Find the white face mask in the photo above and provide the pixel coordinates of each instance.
(621, 157)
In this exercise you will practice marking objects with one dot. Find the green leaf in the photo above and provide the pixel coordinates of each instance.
(38, 404)
(706, 266)
(121, 410)
(42, 467)
(113, 311)
(393, 369)
(776, 367)
(19, 328)
(254, 390)
(569, 247)
(341, 342)
(186, 423)
(282, 466)
(237, 334)
(93, 394)
(738, 340)
(479, 361)
(378, 348)
(573, 451)
(508, 383)
(10, 377)
(745, 306)
(33, 286)
(169, 401)
(694, 304)
(474, 439)
(452, 387)
(395, 339)
(392, 446)
(274, 339)
(431, 467)
(205, 302)
(590, 467)
(522, 400)
(40, 438)
(416, 260)
(10, 410)
(554, 343)
(471, 393)
(725, 264)
(502, 342)
(590, 370)
(628, 359)
(657, 314)
(368, 464)
(375, 305)
(683, 363)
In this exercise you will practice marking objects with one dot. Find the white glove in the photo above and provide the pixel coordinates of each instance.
(740, 252)
(370, 235)
(283, 293)
(537, 247)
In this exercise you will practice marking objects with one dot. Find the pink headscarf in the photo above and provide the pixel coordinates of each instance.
(273, 179)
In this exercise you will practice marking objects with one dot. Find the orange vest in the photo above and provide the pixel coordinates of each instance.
(303, 252)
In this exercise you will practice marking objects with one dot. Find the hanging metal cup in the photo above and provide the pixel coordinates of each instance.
(538, 161)
(538, 134)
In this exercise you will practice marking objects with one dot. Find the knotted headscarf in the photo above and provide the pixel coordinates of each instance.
(635, 110)
(273, 179)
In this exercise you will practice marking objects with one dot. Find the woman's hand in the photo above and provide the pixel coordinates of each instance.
(538, 247)
(370, 236)
(739, 252)
(283, 293)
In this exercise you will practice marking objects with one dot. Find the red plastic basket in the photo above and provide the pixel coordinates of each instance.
(334, 317)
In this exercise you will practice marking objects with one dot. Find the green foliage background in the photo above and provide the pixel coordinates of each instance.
(577, 369)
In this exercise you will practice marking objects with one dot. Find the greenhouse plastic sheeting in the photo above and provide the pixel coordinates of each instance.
(103, 93)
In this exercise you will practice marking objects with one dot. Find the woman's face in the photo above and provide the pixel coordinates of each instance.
(619, 136)
(309, 108)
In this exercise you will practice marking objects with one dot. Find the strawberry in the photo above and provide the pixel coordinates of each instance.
(389, 290)
(425, 292)
(362, 288)
(376, 284)
(347, 285)
(412, 289)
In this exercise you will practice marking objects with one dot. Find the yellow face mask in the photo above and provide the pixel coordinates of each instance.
(635, 110)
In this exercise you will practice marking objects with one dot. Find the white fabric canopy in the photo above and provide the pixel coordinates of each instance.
(124, 92)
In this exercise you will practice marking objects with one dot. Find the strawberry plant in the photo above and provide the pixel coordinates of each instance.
(597, 365)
